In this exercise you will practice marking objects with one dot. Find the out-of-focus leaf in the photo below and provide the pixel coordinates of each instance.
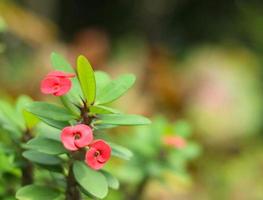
(120, 151)
(115, 89)
(49, 111)
(35, 192)
(182, 128)
(123, 119)
(112, 181)
(60, 63)
(10, 115)
(90, 180)
(87, 79)
(41, 158)
(46, 145)
(29, 119)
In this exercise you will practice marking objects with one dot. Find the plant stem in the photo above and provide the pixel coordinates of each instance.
(138, 193)
(27, 174)
(84, 114)
(72, 192)
(27, 168)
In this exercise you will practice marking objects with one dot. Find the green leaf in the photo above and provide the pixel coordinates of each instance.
(103, 126)
(90, 180)
(60, 63)
(115, 89)
(102, 79)
(35, 192)
(112, 181)
(21, 103)
(46, 145)
(120, 151)
(100, 109)
(7, 123)
(30, 119)
(123, 119)
(41, 158)
(87, 79)
(10, 115)
(50, 111)
(70, 105)
(54, 123)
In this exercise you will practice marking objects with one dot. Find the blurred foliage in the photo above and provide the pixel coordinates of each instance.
(154, 159)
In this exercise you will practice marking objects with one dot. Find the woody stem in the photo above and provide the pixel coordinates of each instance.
(27, 168)
(72, 192)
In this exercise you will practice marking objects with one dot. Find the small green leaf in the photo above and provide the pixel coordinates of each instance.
(90, 180)
(87, 79)
(102, 79)
(120, 151)
(30, 119)
(115, 89)
(35, 192)
(50, 111)
(100, 109)
(41, 158)
(46, 145)
(112, 181)
(123, 119)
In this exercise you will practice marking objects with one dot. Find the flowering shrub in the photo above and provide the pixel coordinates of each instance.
(78, 152)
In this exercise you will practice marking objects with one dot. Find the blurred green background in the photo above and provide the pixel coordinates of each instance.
(196, 60)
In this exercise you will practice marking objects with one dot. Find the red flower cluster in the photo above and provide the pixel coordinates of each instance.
(79, 136)
(76, 137)
(57, 83)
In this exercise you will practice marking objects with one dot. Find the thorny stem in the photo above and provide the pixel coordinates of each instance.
(72, 191)
(27, 168)
(85, 118)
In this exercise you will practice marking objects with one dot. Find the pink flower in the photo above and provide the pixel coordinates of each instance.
(75, 137)
(98, 154)
(56, 83)
(175, 141)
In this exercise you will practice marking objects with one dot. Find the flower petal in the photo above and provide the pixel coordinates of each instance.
(104, 150)
(47, 85)
(64, 86)
(67, 138)
(91, 160)
(86, 135)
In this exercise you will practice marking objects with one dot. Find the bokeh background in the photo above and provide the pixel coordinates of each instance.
(196, 60)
